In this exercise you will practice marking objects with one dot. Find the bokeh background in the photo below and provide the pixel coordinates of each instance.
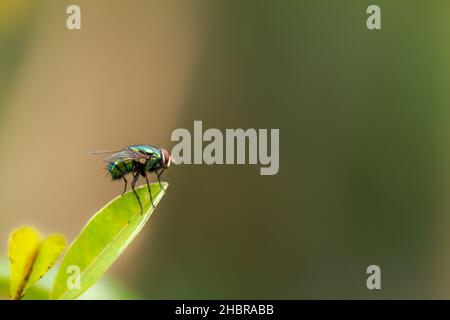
(364, 135)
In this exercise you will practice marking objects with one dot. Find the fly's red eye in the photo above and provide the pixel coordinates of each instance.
(167, 158)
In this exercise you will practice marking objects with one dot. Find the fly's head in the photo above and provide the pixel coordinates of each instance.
(166, 159)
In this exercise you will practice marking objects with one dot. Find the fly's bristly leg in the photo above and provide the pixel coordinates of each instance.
(158, 175)
(149, 190)
(133, 183)
(126, 183)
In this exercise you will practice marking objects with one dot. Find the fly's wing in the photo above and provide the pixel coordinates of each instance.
(102, 152)
(126, 155)
(109, 151)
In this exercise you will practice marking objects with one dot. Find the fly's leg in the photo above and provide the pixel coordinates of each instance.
(149, 191)
(133, 183)
(123, 177)
(158, 175)
(126, 182)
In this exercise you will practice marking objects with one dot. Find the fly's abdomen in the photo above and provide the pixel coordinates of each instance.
(119, 168)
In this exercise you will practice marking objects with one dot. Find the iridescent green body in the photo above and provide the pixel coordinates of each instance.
(137, 158)
(118, 169)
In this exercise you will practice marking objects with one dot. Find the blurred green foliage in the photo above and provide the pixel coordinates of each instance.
(358, 113)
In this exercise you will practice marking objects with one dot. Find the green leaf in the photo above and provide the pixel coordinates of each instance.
(30, 258)
(104, 289)
(102, 240)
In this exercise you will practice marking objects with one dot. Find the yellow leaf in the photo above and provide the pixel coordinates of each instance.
(22, 251)
(49, 251)
(30, 258)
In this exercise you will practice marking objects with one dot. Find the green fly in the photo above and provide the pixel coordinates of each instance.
(137, 160)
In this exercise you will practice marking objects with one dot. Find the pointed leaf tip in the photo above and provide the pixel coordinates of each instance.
(105, 236)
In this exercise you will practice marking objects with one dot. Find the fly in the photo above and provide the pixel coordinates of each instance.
(137, 160)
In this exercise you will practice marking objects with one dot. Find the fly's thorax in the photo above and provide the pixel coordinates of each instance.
(145, 149)
(153, 164)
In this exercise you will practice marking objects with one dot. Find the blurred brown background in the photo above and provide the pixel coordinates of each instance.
(363, 126)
